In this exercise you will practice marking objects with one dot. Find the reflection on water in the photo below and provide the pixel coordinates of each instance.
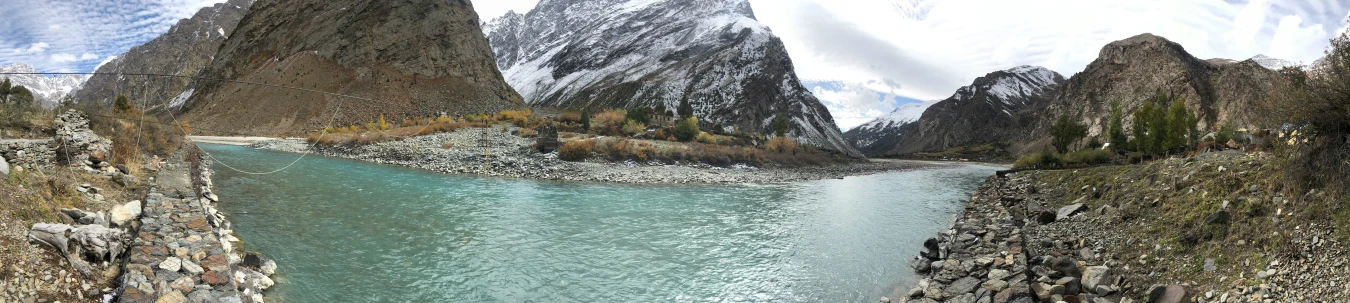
(343, 230)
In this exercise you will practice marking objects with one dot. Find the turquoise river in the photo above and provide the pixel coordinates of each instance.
(350, 231)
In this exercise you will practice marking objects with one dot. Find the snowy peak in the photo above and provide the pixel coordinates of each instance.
(49, 91)
(903, 114)
(1273, 63)
(988, 111)
(630, 53)
(1011, 88)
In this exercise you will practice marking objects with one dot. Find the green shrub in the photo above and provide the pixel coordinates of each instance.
(641, 115)
(687, 129)
(706, 138)
(633, 127)
(1090, 157)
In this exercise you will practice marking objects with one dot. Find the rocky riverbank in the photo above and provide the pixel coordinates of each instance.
(508, 155)
(1213, 228)
(184, 250)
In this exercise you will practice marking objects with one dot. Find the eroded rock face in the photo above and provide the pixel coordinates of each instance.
(185, 50)
(1136, 70)
(416, 57)
(619, 53)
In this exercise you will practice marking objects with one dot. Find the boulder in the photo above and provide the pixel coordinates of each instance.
(1220, 217)
(1045, 217)
(1065, 266)
(268, 267)
(999, 274)
(1169, 294)
(1068, 211)
(1096, 275)
(192, 268)
(931, 249)
(125, 180)
(4, 167)
(172, 264)
(256, 279)
(962, 286)
(125, 214)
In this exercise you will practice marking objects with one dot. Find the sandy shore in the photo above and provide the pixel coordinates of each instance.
(242, 141)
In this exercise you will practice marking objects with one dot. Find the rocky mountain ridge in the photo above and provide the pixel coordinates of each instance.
(378, 58)
(1136, 70)
(622, 53)
(49, 91)
(184, 50)
(990, 110)
(1132, 71)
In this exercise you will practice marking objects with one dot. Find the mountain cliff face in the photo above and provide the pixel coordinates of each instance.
(1137, 69)
(995, 108)
(881, 134)
(184, 50)
(592, 54)
(48, 91)
(403, 58)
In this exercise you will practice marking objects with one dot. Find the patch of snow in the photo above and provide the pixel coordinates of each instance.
(181, 98)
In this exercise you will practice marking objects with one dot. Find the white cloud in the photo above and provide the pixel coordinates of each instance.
(68, 35)
(929, 48)
(63, 58)
(35, 48)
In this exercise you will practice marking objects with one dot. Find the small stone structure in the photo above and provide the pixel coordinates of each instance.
(547, 139)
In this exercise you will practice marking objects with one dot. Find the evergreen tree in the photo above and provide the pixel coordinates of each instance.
(1116, 132)
(686, 110)
(1157, 128)
(20, 96)
(1177, 130)
(661, 109)
(780, 126)
(4, 90)
(1141, 128)
(585, 121)
(122, 105)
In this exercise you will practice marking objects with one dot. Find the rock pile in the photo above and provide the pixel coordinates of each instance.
(981, 258)
(75, 144)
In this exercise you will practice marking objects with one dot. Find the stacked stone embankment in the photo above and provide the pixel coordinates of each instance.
(184, 250)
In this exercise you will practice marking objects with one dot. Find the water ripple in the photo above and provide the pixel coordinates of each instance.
(349, 231)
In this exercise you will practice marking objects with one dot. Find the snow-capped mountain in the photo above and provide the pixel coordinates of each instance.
(49, 91)
(627, 53)
(990, 110)
(1274, 63)
(886, 129)
(184, 50)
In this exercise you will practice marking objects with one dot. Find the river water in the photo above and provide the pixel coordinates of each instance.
(350, 231)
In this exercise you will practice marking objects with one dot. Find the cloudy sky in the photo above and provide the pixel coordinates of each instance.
(865, 57)
(861, 57)
(77, 35)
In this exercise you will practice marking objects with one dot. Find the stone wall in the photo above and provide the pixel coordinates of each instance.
(28, 154)
(184, 249)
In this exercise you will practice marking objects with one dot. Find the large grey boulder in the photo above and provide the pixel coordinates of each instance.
(1068, 211)
(1096, 275)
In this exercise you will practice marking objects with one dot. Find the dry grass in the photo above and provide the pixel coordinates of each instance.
(609, 122)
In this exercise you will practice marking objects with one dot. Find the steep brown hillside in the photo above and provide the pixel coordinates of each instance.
(411, 58)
